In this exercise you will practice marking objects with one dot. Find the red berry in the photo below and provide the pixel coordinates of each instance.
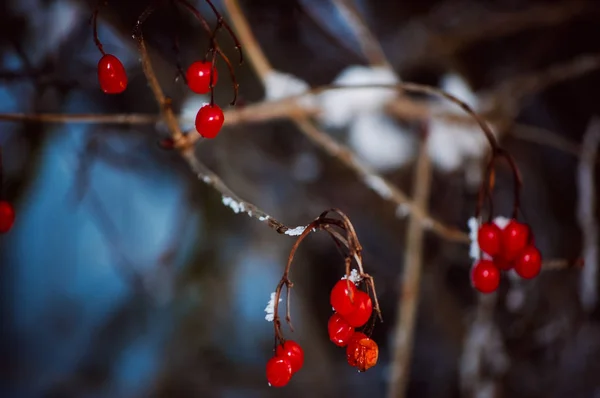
(343, 297)
(488, 238)
(362, 352)
(198, 77)
(293, 352)
(503, 264)
(209, 121)
(485, 276)
(340, 332)
(529, 263)
(279, 371)
(363, 308)
(515, 238)
(7, 217)
(111, 75)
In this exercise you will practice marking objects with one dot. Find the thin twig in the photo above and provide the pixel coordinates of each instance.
(411, 280)
(586, 215)
(187, 151)
(370, 46)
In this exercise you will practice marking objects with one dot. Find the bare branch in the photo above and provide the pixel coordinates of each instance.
(411, 280)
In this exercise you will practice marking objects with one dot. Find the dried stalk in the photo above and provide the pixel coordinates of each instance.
(411, 280)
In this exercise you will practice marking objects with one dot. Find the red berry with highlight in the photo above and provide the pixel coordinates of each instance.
(111, 75)
(7, 217)
(209, 121)
(279, 371)
(343, 297)
(529, 263)
(485, 276)
(198, 76)
(293, 352)
(340, 331)
(363, 308)
(489, 238)
(515, 238)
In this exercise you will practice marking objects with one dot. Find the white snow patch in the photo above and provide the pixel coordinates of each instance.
(380, 142)
(340, 106)
(189, 109)
(450, 145)
(279, 85)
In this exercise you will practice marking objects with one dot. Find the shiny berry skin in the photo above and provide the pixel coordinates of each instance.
(362, 352)
(279, 371)
(7, 217)
(209, 121)
(485, 276)
(489, 238)
(293, 352)
(340, 332)
(198, 77)
(529, 263)
(515, 238)
(111, 75)
(343, 297)
(363, 308)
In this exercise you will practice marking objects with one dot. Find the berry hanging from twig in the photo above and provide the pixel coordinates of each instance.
(198, 77)
(485, 276)
(279, 371)
(111, 75)
(209, 121)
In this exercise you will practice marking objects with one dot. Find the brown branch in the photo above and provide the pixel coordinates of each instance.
(187, 150)
(411, 280)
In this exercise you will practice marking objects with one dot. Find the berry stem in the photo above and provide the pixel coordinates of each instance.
(95, 26)
(176, 47)
(217, 48)
(349, 241)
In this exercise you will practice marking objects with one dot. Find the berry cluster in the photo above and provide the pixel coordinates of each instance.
(209, 118)
(353, 309)
(504, 248)
(288, 359)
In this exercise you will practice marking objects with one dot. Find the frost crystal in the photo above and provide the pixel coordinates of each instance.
(354, 277)
(295, 231)
(378, 185)
(270, 308)
(235, 206)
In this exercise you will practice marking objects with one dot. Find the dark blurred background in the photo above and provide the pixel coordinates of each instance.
(125, 276)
